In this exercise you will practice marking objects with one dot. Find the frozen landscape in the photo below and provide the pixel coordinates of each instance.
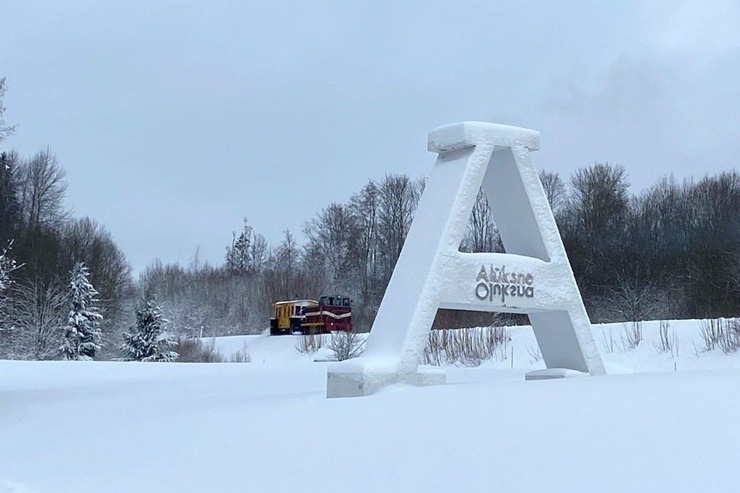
(175, 170)
(659, 421)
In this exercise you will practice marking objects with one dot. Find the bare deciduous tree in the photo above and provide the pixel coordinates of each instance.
(364, 207)
(37, 318)
(85, 240)
(42, 190)
(5, 129)
(331, 234)
(600, 198)
(399, 196)
(554, 190)
(482, 234)
(287, 267)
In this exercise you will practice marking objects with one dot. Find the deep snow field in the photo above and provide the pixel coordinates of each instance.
(658, 422)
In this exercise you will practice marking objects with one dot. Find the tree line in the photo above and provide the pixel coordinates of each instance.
(670, 251)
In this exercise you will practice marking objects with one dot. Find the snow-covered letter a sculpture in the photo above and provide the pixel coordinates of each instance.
(533, 277)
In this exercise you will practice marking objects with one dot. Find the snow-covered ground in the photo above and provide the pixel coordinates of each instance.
(670, 425)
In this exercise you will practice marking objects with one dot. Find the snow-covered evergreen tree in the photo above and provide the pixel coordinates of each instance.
(146, 341)
(81, 337)
(237, 256)
(6, 266)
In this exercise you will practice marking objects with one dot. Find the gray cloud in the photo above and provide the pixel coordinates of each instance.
(654, 116)
(175, 120)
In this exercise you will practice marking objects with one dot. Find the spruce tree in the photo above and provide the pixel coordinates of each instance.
(7, 265)
(81, 337)
(146, 340)
(238, 255)
(9, 205)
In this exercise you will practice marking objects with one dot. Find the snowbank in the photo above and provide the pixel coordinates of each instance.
(267, 426)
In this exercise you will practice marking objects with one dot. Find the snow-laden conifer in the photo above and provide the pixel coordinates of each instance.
(7, 265)
(146, 341)
(81, 338)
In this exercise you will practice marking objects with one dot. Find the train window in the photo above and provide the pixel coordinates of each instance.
(345, 302)
(338, 301)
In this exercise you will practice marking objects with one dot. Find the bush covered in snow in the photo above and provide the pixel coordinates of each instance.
(147, 340)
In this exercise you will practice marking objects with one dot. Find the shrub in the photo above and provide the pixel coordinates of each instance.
(722, 332)
(668, 340)
(241, 356)
(631, 335)
(310, 343)
(346, 345)
(467, 347)
(195, 351)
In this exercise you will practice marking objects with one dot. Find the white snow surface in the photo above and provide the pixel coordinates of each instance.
(657, 422)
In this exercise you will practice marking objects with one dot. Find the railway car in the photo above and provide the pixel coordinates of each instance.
(329, 314)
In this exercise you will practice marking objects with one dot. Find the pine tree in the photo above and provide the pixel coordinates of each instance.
(81, 337)
(146, 341)
(7, 265)
(238, 255)
(5, 130)
(9, 205)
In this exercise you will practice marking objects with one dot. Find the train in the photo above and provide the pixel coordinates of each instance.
(304, 317)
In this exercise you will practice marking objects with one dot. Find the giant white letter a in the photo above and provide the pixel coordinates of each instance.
(533, 277)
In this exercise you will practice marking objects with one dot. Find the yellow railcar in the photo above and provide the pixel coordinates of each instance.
(287, 316)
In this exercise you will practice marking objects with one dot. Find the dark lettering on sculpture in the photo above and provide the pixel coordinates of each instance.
(496, 282)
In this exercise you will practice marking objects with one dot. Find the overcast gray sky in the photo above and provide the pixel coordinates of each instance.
(176, 119)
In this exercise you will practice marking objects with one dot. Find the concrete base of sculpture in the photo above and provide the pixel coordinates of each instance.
(553, 374)
(356, 379)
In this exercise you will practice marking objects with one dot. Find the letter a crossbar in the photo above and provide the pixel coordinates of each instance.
(532, 277)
